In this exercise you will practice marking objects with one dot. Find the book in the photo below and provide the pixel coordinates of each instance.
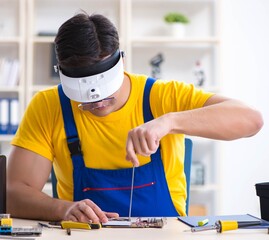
(4, 116)
(9, 115)
(13, 115)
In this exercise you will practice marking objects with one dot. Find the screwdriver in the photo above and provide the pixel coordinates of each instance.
(222, 226)
(131, 196)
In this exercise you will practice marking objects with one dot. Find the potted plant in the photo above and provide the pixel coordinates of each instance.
(177, 21)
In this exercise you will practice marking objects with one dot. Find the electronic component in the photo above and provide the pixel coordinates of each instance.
(26, 231)
(7, 229)
(5, 224)
(135, 223)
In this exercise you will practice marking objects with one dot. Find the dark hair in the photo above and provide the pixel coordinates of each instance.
(84, 40)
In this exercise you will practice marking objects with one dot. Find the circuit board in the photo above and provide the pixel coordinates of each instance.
(139, 222)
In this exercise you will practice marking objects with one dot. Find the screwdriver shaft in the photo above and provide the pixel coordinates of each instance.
(203, 228)
(131, 196)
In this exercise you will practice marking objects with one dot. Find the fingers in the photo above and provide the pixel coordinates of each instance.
(130, 153)
(140, 141)
(87, 211)
(112, 215)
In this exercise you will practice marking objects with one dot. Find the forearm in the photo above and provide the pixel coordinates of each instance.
(226, 120)
(26, 202)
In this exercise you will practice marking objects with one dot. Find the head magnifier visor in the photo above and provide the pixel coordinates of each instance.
(94, 83)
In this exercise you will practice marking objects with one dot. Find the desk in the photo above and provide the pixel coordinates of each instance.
(173, 230)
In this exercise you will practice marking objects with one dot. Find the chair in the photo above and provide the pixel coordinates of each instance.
(187, 170)
(2, 184)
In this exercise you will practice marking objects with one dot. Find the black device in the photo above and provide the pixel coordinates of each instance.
(262, 190)
(3, 184)
(155, 62)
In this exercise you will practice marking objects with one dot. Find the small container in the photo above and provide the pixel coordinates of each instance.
(262, 190)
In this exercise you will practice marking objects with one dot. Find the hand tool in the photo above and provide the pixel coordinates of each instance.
(72, 225)
(80, 225)
(222, 226)
(131, 196)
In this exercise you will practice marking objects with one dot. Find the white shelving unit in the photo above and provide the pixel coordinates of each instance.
(12, 48)
(143, 34)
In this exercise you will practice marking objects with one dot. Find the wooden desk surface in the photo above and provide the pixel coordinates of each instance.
(173, 230)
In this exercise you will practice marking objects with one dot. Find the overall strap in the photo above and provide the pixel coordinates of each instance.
(164, 196)
(146, 104)
(73, 141)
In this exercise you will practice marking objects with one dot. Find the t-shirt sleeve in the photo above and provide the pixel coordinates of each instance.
(35, 130)
(175, 96)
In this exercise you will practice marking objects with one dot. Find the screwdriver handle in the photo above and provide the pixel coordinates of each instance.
(222, 226)
(226, 226)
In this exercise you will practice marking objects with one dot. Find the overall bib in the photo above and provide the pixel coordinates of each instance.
(111, 189)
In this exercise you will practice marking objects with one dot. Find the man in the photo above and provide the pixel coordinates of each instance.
(101, 116)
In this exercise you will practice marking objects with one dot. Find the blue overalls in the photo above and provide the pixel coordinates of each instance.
(111, 189)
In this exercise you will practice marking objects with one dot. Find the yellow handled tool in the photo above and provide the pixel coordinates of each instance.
(222, 226)
(79, 225)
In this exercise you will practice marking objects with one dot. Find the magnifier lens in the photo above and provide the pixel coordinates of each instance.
(94, 105)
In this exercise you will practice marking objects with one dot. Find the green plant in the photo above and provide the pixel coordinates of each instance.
(175, 17)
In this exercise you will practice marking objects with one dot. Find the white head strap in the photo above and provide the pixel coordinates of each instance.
(93, 83)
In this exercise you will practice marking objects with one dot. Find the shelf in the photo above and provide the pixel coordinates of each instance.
(5, 138)
(10, 89)
(44, 39)
(164, 40)
(10, 39)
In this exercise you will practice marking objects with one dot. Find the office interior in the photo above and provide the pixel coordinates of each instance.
(229, 38)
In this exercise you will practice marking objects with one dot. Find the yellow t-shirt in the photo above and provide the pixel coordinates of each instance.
(103, 139)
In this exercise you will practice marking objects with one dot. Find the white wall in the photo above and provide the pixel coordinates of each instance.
(245, 76)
